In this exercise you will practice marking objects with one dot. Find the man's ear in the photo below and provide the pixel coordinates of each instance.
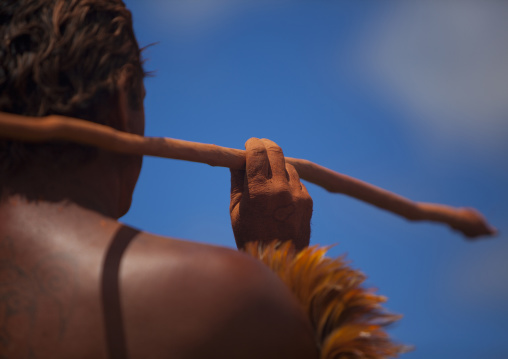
(121, 110)
(128, 112)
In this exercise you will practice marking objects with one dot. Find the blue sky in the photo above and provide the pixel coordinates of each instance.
(409, 96)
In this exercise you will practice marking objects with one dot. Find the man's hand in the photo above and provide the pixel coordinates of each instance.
(268, 201)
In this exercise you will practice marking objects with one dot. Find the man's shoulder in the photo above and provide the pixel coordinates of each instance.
(172, 256)
(226, 301)
(200, 268)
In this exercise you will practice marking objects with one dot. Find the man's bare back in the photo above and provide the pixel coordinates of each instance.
(178, 299)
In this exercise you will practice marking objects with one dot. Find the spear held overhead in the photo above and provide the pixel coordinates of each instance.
(38, 129)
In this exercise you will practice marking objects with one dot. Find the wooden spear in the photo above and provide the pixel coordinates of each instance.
(38, 129)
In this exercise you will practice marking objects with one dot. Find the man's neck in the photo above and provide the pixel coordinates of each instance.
(91, 186)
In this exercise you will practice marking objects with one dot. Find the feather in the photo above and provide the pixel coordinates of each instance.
(348, 320)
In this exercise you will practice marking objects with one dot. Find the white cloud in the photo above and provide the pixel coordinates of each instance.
(189, 16)
(197, 17)
(445, 64)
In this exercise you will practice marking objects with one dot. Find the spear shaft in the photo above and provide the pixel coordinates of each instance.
(40, 129)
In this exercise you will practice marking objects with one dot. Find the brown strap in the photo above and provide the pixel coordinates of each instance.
(112, 310)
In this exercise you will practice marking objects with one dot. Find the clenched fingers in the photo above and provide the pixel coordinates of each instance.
(276, 160)
(257, 165)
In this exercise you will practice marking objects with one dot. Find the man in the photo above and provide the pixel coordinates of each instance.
(76, 283)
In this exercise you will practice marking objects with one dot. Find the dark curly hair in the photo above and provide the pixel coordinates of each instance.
(63, 57)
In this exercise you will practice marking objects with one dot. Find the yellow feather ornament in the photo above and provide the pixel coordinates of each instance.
(348, 320)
